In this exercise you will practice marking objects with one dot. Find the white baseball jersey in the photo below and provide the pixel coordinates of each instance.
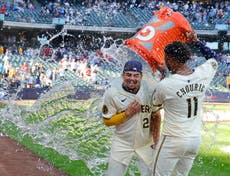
(133, 136)
(182, 98)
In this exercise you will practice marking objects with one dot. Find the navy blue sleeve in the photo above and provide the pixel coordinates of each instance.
(206, 51)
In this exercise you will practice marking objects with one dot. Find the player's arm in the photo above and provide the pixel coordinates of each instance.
(155, 127)
(205, 50)
(157, 101)
(119, 118)
(115, 119)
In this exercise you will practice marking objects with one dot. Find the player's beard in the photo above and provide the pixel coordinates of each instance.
(132, 86)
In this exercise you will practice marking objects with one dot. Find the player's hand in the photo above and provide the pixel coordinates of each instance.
(192, 36)
(162, 68)
(133, 108)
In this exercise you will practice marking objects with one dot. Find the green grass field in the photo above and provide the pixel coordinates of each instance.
(211, 161)
(217, 106)
(214, 161)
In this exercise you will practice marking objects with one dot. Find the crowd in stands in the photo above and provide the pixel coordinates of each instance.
(89, 66)
(26, 74)
(85, 65)
(196, 12)
(31, 72)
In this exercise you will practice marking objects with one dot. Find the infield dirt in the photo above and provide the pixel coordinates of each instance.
(16, 160)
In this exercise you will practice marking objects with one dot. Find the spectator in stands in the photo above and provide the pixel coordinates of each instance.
(54, 74)
(1, 69)
(73, 65)
(3, 9)
(6, 63)
(30, 81)
(220, 14)
(24, 67)
(1, 49)
(12, 72)
(94, 73)
(20, 51)
(37, 82)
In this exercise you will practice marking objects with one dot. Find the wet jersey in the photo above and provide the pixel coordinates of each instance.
(184, 119)
(133, 135)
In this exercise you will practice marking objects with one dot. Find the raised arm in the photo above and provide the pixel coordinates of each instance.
(205, 50)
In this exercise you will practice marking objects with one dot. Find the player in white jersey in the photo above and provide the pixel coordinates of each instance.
(181, 95)
(127, 106)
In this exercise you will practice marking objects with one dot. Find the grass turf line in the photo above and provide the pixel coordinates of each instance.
(70, 167)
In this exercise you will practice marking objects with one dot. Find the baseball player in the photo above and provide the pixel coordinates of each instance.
(181, 95)
(127, 106)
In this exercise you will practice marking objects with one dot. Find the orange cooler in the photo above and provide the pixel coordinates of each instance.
(164, 27)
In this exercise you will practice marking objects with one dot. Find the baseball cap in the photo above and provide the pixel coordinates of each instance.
(133, 65)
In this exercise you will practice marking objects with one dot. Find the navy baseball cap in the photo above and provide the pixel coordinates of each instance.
(133, 65)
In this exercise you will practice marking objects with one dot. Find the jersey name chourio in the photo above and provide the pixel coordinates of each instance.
(190, 88)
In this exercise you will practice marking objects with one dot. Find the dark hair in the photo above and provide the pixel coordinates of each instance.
(178, 51)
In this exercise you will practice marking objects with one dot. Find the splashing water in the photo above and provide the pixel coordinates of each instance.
(73, 127)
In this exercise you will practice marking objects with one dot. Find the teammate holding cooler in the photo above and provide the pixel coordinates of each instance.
(127, 106)
(181, 95)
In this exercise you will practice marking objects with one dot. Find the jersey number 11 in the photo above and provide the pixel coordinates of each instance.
(190, 101)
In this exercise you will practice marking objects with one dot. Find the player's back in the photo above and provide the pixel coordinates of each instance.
(183, 101)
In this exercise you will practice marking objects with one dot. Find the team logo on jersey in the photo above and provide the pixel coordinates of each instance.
(105, 109)
(123, 99)
(214, 65)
